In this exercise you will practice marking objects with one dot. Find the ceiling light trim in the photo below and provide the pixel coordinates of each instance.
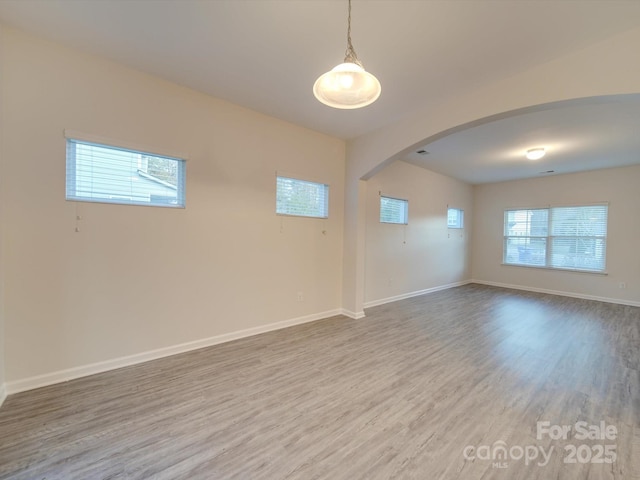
(535, 153)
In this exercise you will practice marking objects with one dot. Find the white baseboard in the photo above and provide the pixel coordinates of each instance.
(353, 315)
(561, 293)
(3, 393)
(382, 301)
(93, 368)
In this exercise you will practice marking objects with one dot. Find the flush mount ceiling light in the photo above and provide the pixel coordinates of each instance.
(348, 85)
(535, 153)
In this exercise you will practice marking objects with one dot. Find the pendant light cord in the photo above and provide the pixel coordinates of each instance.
(350, 55)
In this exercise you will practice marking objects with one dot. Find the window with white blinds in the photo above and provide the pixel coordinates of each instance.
(578, 237)
(394, 210)
(455, 218)
(108, 174)
(301, 198)
(567, 238)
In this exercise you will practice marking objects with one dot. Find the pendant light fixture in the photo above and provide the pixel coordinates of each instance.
(348, 85)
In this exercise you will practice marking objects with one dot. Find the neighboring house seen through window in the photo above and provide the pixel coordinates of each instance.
(103, 173)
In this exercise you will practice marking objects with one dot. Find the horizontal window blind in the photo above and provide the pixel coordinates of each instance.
(578, 237)
(301, 198)
(526, 223)
(394, 210)
(103, 173)
(569, 238)
(455, 218)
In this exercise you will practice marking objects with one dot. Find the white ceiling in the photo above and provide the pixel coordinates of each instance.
(266, 54)
(577, 136)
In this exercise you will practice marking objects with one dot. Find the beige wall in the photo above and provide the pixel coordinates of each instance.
(2, 202)
(617, 186)
(425, 254)
(135, 279)
(609, 67)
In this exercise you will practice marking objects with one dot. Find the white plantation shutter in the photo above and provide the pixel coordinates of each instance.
(301, 198)
(394, 210)
(108, 174)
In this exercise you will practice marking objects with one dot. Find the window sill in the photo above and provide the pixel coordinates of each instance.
(567, 270)
(300, 216)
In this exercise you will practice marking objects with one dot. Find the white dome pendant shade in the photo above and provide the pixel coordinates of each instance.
(348, 85)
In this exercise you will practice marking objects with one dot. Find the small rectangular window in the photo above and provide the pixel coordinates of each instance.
(301, 198)
(455, 218)
(394, 210)
(108, 174)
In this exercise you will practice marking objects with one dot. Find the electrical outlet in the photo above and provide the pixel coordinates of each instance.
(622, 285)
(300, 297)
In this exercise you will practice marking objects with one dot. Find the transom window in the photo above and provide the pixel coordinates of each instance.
(108, 174)
(566, 238)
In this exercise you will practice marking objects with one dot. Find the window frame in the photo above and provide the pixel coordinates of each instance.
(117, 197)
(549, 238)
(460, 225)
(325, 213)
(405, 204)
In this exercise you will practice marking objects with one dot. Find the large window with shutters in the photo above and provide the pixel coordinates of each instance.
(301, 198)
(566, 238)
(110, 174)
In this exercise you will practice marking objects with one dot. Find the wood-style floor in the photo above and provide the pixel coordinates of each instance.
(400, 394)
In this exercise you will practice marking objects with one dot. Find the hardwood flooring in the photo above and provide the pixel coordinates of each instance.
(401, 394)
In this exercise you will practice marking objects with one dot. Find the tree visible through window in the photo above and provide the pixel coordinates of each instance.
(301, 198)
(394, 210)
(162, 169)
